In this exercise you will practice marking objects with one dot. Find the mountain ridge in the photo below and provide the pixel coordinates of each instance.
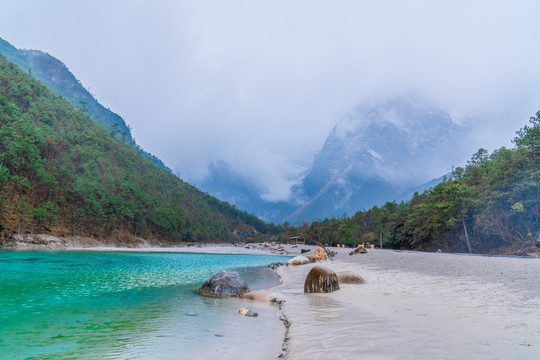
(54, 74)
(63, 174)
(379, 152)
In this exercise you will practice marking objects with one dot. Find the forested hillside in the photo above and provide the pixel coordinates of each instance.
(63, 174)
(491, 204)
(56, 76)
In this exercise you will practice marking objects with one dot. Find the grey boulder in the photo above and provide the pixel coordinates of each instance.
(224, 284)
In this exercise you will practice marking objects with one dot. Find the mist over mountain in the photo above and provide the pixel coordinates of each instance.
(63, 174)
(378, 153)
(228, 185)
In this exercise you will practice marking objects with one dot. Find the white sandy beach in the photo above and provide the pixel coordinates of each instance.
(414, 306)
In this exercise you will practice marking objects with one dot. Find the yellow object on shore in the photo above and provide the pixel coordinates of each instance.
(373, 246)
(361, 245)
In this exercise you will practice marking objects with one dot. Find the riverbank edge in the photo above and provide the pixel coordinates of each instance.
(273, 296)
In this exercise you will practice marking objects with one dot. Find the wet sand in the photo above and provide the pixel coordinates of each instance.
(416, 306)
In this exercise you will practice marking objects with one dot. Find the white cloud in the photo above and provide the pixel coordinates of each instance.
(261, 84)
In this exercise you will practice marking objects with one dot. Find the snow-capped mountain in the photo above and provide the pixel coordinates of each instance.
(376, 154)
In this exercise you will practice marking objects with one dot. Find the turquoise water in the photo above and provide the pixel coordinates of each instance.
(106, 305)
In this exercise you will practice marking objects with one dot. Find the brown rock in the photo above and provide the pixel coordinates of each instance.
(304, 251)
(349, 277)
(321, 279)
(311, 258)
(358, 250)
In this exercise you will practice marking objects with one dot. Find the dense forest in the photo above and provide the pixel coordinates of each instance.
(56, 76)
(63, 174)
(491, 204)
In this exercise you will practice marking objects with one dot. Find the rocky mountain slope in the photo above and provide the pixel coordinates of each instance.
(378, 153)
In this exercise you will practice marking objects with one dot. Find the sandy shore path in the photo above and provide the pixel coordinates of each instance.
(417, 306)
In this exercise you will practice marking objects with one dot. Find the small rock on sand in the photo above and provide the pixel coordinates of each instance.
(298, 260)
(275, 265)
(247, 312)
(358, 250)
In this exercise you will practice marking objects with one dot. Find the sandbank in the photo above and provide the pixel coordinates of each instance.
(416, 306)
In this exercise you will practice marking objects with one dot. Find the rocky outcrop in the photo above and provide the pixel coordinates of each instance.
(224, 284)
(45, 241)
(311, 258)
(298, 260)
(358, 250)
(321, 280)
(349, 277)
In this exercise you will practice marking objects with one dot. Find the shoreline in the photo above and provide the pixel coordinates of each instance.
(415, 305)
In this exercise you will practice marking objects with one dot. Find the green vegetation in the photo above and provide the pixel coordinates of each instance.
(56, 76)
(62, 173)
(492, 203)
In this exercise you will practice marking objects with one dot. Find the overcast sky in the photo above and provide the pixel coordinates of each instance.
(260, 84)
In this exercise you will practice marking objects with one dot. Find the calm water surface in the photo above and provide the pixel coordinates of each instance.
(117, 305)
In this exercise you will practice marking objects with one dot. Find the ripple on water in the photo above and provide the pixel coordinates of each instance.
(117, 305)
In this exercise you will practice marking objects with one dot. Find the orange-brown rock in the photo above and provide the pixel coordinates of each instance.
(321, 280)
(349, 277)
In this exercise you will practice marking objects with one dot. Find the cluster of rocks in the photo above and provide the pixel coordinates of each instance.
(323, 280)
(320, 279)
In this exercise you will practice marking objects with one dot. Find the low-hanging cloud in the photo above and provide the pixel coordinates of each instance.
(260, 85)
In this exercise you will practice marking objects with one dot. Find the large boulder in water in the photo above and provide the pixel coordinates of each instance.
(298, 260)
(349, 277)
(224, 284)
(321, 279)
